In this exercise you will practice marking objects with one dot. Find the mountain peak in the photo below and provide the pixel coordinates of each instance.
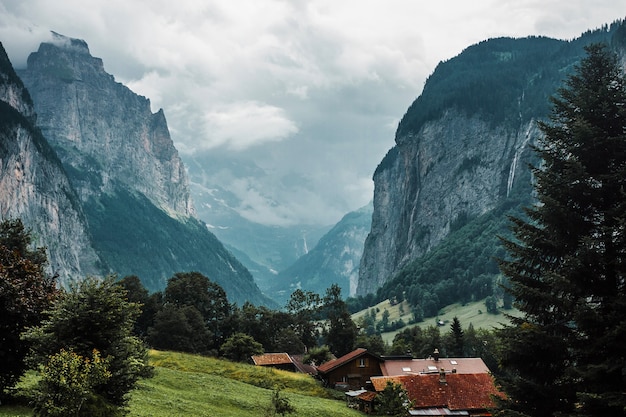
(71, 44)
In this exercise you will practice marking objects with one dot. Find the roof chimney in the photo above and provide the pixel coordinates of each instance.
(436, 354)
(442, 377)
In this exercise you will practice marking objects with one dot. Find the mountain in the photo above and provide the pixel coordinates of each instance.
(460, 165)
(264, 250)
(126, 173)
(334, 260)
(34, 186)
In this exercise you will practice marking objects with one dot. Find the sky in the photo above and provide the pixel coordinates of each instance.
(308, 93)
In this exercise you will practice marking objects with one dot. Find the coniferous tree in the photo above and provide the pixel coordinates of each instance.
(565, 354)
(457, 348)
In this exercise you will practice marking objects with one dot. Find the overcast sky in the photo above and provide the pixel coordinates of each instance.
(310, 91)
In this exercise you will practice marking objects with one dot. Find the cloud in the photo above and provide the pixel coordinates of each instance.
(305, 89)
(244, 124)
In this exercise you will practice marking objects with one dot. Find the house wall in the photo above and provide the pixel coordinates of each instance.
(354, 374)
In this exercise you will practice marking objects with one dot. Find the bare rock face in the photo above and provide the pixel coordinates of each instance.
(103, 130)
(455, 166)
(125, 173)
(34, 186)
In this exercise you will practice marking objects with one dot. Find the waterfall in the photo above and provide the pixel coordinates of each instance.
(516, 156)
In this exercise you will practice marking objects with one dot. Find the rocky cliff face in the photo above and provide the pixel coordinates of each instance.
(463, 147)
(34, 187)
(454, 167)
(125, 173)
(106, 133)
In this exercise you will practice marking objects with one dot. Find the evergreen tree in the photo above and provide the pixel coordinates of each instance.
(457, 348)
(565, 354)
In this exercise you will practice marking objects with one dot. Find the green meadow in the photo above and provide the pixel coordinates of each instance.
(191, 385)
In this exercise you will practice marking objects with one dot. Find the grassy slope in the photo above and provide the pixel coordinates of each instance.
(474, 313)
(190, 385)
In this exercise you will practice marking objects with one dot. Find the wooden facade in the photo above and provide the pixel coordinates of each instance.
(352, 371)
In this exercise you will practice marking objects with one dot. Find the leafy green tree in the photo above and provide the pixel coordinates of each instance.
(303, 306)
(67, 387)
(342, 332)
(491, 304)
(95, 314)
(208, 297)
(565, 354)
(26, 291)
(240, 347)
(373, 343)
(393, 400)
(318, 355)
(179, 328)
(150, 303)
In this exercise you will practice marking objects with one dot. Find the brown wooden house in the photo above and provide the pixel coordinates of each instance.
(351, 371)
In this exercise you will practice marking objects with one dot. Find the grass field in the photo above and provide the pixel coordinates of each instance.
(193, 386)
(474, 313)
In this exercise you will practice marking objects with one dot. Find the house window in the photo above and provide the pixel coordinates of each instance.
(362, 363)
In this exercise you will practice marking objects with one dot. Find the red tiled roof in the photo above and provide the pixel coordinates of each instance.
(330, 365)
(460, 392)
(272, 359)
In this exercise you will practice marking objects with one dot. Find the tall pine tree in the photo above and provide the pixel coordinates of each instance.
(566, 354)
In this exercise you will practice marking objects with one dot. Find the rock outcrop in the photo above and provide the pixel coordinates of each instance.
(34, 186)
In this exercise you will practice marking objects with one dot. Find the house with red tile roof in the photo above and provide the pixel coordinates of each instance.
(275, 360)
(446, 393)
(285, 362)
(351, 371)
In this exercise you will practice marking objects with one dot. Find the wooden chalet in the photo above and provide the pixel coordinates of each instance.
(351, 371)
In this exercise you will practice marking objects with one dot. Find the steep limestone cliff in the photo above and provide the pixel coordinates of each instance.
(130, 181)
(455, 167)
(463, 147)
(34, 186)
(105, 134)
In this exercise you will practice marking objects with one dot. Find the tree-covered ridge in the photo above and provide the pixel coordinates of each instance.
(503, 80)
(166, 240)
(462, 268)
